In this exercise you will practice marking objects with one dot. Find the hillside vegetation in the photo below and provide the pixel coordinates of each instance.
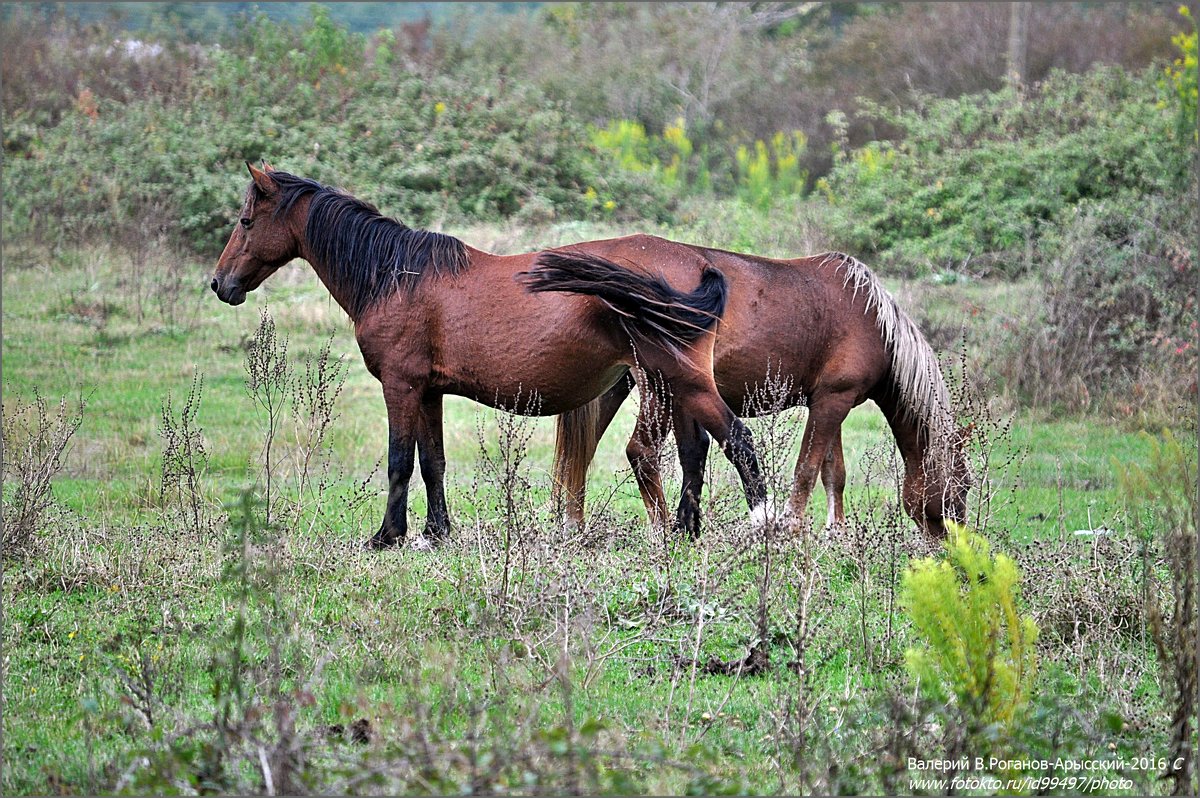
(1076, 179)
(188, 607)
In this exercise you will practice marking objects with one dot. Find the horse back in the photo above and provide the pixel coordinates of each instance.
(800, 323)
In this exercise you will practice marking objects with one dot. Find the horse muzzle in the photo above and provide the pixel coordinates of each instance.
(229, 291)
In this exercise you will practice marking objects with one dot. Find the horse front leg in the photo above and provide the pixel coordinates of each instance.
(825, 417)
(403, 408)
(432, 458)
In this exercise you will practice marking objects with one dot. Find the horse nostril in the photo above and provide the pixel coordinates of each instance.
(214, 284)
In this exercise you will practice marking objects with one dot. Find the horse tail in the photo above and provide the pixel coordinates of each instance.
(648, 309)
(916, 377)
(575, 442)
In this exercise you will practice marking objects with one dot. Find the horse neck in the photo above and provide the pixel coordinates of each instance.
(298, 222)
(915, 436)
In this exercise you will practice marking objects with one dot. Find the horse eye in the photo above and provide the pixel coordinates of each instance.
(246, 221)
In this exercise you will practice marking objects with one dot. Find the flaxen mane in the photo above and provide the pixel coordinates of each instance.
(916, 374)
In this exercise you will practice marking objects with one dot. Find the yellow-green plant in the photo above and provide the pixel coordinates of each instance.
(754, 175)
(763, 171)
(627, 140)
(789, 177)
(976, 649)
(766, 174)
(675, 173)
(1181, 76)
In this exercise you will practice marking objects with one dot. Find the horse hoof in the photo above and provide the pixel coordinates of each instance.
(762, 515)
(380, 542)
(797, 526)
(423, 543)
(835, 530)
(436, 537)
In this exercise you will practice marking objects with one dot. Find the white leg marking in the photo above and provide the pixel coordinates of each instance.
(763, 513)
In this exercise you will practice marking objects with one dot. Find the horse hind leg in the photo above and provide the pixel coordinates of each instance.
(692, 442)
(699, 400)
(833, 477)
(644, 449)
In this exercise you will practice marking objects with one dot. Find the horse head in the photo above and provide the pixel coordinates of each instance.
(261, 241)
(937, 491)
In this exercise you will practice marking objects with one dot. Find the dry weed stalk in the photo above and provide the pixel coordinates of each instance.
(184, 460)
(268, 382)
(36, 443)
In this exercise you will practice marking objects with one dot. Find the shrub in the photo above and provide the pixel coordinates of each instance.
(884, 51)
(1116, 311)
(977, 180)
(1182, 78)
(761, 175)
(467, 144)
(35, 445)
(979, 650)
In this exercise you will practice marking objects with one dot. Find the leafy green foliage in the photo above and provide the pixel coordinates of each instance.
(1115, 310)
(1181, 79)
(976, 180)
(460, 145)
(978, 649)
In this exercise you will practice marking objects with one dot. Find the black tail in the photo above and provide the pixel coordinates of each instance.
(649, 310)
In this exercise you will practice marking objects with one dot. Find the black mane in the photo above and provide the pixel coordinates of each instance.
(369, 256)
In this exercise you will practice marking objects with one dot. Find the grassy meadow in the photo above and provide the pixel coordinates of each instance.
(188, 607)
(158, 638)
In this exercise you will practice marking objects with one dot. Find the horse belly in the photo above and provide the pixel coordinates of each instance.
(533, 375)
(537, 392)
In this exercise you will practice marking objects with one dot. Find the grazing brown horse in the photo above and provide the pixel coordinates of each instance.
(433, 316)
(824, 327)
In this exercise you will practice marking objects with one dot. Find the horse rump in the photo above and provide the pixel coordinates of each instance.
(648, 309)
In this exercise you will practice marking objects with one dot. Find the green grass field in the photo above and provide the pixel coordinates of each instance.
(145, 656)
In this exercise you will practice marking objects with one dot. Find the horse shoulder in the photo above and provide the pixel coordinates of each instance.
(395, 336)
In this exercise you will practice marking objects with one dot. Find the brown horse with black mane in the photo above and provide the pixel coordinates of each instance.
(434, 316)
(827, 329)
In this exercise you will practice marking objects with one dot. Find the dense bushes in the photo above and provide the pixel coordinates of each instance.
(1083, 180)
(491, 118)
(737, 73)
(977, 180)
(1115, 318)
(425, 148)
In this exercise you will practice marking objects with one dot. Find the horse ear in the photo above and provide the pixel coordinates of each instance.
(261, 179)
(266, 166)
